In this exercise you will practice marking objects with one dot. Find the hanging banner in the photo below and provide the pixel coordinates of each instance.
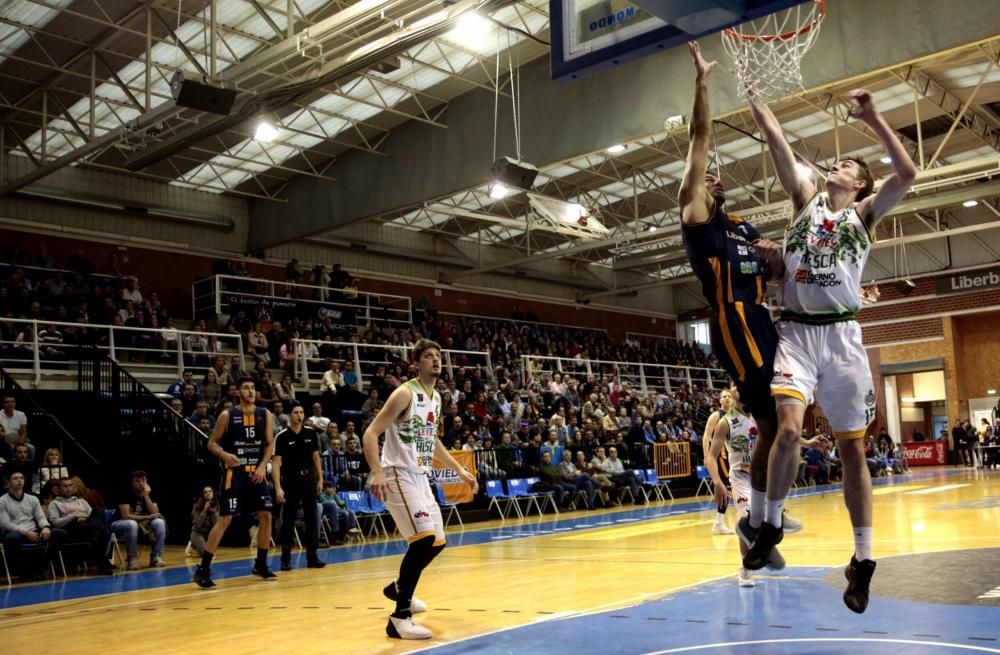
(260, 308)
(455, 490)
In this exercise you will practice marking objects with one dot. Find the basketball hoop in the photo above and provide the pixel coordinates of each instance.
(768, 51)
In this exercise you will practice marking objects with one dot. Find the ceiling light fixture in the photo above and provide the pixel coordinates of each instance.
(970, 203)
(886, 160)
(805, 170)
(616, 149)
(471, 29)
(265, 132)
(499, 190)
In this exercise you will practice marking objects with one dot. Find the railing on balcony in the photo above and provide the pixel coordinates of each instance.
(640, 375)
(312, 360)
(44, 347)
(273, 300)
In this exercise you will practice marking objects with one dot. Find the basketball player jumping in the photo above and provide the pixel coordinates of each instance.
(243, 439)
(820, 354)
(732, 263)
(412, 423)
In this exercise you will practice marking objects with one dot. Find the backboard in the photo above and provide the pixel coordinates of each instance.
(591, 35)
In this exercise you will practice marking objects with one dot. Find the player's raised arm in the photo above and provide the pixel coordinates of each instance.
(696, 204)
(873, 208)
(799, 189)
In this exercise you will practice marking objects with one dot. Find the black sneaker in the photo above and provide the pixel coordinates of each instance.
(859, 578)
(316, 563)
(264, 572)
(202, 578)
(390, 591)
(286, 566)
(760, 550)
(746, 532)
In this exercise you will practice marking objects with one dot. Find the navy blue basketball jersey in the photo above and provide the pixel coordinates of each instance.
(724, 260)
(244, 435)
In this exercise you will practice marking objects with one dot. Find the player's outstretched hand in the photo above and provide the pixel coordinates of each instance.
(470, 480)
(773, 258)
(378, 486)
(701, 66)
(862, 105)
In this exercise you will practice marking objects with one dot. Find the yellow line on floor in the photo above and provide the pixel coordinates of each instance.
(895, 489)
(634, 531)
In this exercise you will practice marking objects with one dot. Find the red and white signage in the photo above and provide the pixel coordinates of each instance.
(923, 453)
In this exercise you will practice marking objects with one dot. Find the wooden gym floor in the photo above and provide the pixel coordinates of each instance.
(645, 580)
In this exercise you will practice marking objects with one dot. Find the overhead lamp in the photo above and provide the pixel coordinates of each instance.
(499, 190)
(471, 28)
(909, 399)
(991, 392)
(970, 203)
(616, 149)
(265, 131)
(509, 174)
(886, 160)
(652, 228)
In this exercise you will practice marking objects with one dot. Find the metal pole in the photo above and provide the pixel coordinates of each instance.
(37, 356)
(211, 38)
(290, 19)
(180, 357)
(149, 59)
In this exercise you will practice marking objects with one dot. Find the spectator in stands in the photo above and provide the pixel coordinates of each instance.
(52, 467)
(138, 512)
(317, 421)
(330, 386)
(92, 496)
(195, 344)
(210, 390)
(357, 468)
(285, 391)
(239, 324)
(79, 263)
(293, 272)
(22, 523)
(551, 479)
(204, 516)
(82, 524)
(342, 520)
(602, 482)
(130, 293)
(280, 417)
(349, 434)
(189, 401)
(372, 405)
(612, 467)
(265, 389)
(351, 379)
(177, 388)
(21, 463)
(884, 443)
(257, 344)
(236, 369)
(222, 374)
(169, 339)
(14, 426)
(202, 411)
(579, 479)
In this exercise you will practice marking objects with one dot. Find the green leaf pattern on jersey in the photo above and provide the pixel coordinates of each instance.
(840, 237)
(409, 431)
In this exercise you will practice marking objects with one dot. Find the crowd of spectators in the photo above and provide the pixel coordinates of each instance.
(57, 293)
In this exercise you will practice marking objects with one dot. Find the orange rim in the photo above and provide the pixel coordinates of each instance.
(784, 36)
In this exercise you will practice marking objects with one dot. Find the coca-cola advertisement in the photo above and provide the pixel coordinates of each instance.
(926, 454)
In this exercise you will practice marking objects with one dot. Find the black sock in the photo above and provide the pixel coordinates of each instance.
(414, 560)
(261, 557)
(435, 551)
(206, 560)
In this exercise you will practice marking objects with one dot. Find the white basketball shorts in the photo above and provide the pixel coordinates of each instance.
(740, 483)
(412, 506)
(826, 364)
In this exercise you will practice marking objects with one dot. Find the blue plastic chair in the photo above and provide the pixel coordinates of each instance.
(495, 492)
(705, 480)
(448, 505)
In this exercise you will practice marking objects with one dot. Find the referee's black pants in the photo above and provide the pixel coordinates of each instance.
(300, 490)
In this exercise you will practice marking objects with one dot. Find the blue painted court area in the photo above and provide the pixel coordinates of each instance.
(22, 595)
(800, 614)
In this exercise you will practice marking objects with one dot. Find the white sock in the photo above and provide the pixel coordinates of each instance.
(772, 511)
(757, 501)
(863, 540)
(720, 517)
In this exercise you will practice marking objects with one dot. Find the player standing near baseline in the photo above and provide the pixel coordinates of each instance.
(243, 439)
(412, 423)
(732, 263)
(820, 354)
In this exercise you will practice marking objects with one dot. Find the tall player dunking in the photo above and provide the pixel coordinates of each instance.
(820, 355)
(243, 439)
(412, 423)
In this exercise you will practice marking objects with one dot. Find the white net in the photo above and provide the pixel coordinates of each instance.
(768, 51)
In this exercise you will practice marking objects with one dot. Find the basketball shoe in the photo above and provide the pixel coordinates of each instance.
(859, 578)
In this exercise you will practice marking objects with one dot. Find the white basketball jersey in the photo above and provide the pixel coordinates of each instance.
(825, 254)
(409, 441)
(742, 437)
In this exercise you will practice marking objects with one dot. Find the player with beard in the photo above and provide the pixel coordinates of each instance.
(411, 421)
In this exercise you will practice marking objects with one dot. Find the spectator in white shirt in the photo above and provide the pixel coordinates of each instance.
(131, 291)
(14, 426)
(317, 421)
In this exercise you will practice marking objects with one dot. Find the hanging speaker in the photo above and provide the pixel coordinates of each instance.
(203, 97)
(905, 287)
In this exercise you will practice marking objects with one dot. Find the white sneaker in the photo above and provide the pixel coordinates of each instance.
(133, 564)
(406, 629)
(790, 524)
(417, 606)
(189, 551)
(746, 579)
(156, 562)
(721, 528)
